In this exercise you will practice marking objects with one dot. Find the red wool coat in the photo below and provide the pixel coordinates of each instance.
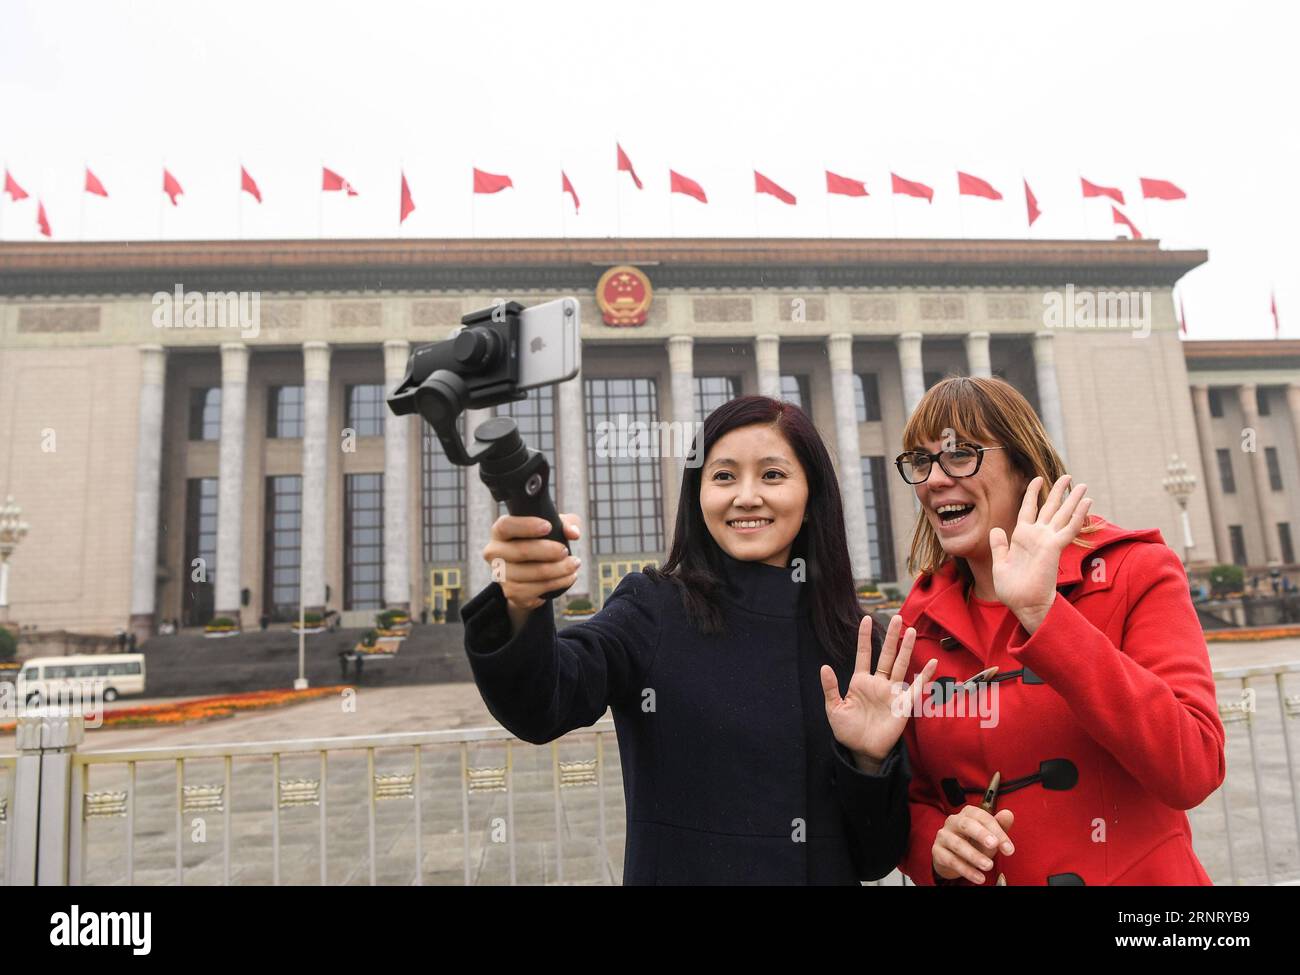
(1119, 693)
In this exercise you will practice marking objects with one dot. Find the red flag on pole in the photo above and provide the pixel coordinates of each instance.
(93, 185)
(907, 187)
(1031, 204)
(1092, 189)
(332, 181)
(1119, 218)
(764, 185)
(490, 182)
(41, 220)
(1160, 189)
(567, 187)
(170, 186)
(683, 184)
(625, 165)
(1272, 306)
(15, 191)
(968, 185)
(1182, 316)
(844, 186)
(408, 204)
(249, 185)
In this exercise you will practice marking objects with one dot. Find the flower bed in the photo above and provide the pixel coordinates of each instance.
(201, 709)
(1247, 634)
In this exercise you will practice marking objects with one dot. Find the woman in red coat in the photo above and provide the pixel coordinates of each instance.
(1071, 666)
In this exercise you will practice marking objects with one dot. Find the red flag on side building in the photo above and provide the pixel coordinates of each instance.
(171, 186)
(684, 184)
(1272, 306)
(1160, 189)
(332, 182)
(249, 185)
(625, 166)
(764, 185)
(968, 185)
(1182, 316)
(408, 203)
(1092, 189)
(1031, 205)
(843, 186)
(41, 221)
(93, 185)
(490, 182)
(15, 191)
(567, 187)
(907, 187)
(1119, 218)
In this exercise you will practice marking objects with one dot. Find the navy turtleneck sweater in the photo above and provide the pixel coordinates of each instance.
(730, 771)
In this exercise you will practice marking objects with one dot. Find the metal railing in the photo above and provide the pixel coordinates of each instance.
(469, 806)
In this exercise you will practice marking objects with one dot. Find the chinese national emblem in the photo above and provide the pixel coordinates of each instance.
(623, 294)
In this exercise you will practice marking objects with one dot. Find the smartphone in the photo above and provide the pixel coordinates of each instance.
(550, 343)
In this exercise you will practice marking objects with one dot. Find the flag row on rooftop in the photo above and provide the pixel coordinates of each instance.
(484, 182)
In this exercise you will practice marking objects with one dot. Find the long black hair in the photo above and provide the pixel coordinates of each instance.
(695, 564)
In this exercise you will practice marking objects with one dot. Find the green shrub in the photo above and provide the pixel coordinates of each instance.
(219, 621)
(580, 604)
(8, 645)
(1227, 578)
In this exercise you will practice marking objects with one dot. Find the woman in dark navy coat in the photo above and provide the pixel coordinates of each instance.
(759, 719)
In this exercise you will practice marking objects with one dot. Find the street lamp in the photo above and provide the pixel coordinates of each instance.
(1180, 483)
(12, 530)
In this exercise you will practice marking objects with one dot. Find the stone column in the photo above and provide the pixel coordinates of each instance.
(767, 356)
(1258, 470)
(1293, 403)
(480, 514)
(978, 360)
(397, 485)
(315, 448)
(230, 484)
(849, 453)
(681, 366)
(1049, 390)
(570, 482)
(148, 488)
(1210, 464)
(909, 361)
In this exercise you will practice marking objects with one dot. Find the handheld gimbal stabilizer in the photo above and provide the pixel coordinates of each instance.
(478, 367)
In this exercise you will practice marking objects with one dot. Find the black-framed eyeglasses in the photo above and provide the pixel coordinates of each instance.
(964, 460)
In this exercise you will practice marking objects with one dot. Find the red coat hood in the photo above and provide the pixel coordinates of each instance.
(939, 595)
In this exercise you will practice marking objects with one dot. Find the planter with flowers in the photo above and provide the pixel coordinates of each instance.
(394, 623)
(578, 609)
(870, 597)
(311, 623)
(221, 626)
(374, 644)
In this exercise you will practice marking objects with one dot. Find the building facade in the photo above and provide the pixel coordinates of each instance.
(183, 470)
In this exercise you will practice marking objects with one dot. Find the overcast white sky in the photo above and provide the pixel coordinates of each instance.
(1201, 94)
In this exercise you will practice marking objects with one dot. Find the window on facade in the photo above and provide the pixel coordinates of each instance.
(284, 412)
(205, 413)
(200, 568)
(1237, 539)
(366, 409)
(794, 389)
(1226, 481)
(1274, 468)
(443, 507)
(363, 541)
(1284, 540)
(282, 547)
(1261, 401)
(535, 417)
(1216, 402)
(867, 397)
(712, 391)
(880, 534)
(931, 378)
(624, 485)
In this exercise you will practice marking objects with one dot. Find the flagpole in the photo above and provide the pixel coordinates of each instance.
(961, 215)
(564, 216)
(160, 202)
(618, 188)
(320, 204)
(757, 233)
(830, 231)
(81, 216)
(1083, 207)
(239, 204)
(893, 206)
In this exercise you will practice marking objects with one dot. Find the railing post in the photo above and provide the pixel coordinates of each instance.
(38, 846)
